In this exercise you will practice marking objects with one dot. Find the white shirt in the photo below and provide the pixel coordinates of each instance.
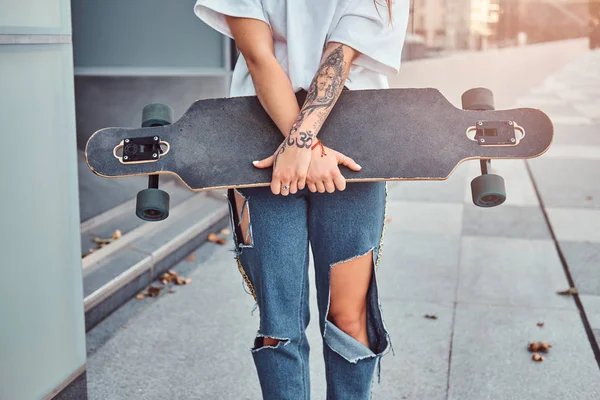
(302, 28)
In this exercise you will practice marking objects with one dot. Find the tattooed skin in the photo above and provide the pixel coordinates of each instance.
(322, 93)
(328, 82)
(302, 140)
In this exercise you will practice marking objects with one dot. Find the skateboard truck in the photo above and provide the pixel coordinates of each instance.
(488, 189)
(152, 203)
(141, 149)
(496, 133)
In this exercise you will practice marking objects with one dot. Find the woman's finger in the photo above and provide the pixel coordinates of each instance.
(266, 163)
(329, 186)
(275, 185)
(301, 183)
(320, 187)
(293, 187)
(348, 162)
(340, 182)
(285, 188)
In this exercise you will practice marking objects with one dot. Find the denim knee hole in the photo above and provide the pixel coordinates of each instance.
(347, 346)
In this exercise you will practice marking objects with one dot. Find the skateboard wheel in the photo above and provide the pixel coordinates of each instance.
(156, 114)
(152, 205)
(488, 190)
(478, 99)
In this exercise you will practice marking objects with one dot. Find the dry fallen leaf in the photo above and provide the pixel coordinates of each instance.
(191, 257)
(536, 357)
(188, 281)
(540, 323)
(568, 292)
(213, 237)
(431, 316)
(154, 291)
(388, 219)
(117, 234)
(538, 346)
(533, 347)
(101, 241)
(221, 241)
(171, 291)
(544, 346)
(589, 198)
(140, 296)
(225, 231)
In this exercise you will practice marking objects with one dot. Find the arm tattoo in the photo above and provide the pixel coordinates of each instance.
(322, 94)
(327, 83)
(304, 140)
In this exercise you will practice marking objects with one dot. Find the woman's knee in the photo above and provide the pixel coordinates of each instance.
(351, 322)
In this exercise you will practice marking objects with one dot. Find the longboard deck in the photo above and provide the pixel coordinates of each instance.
(394, 134)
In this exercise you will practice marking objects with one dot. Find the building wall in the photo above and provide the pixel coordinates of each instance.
(143, 37)
(131, 53)
(444, 24)
(42, 336)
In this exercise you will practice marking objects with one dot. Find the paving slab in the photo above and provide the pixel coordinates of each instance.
(510, 271)
(447, 191)
(506, 221)
(490, 358)
(583, 259)
(575, 224)
(427, 217)
(584, 152)
(591, 305)
(576, 134)
(419, 266)
(568, 182)
(419, 367)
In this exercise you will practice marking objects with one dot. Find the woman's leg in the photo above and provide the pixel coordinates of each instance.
(271, 239)
(345, 231)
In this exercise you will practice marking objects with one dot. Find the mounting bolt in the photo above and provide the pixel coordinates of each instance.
(510, 123)
(482, 140)
(155, 138)
(513, 140)
(154, 155)
(126, 140)
(480, 123)
(125, 158)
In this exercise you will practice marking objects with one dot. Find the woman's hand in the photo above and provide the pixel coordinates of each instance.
(324, 173)
(290, 163)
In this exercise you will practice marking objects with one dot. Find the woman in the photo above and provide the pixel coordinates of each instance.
(289, 47)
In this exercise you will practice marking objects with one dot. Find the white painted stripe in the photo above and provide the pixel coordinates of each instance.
(150, 71)
(35, 39)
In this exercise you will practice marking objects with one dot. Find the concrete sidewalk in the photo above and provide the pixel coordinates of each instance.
(489, 275)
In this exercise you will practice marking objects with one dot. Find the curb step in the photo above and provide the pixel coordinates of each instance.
(117, 272)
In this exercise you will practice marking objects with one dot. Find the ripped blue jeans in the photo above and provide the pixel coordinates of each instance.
(273, 258)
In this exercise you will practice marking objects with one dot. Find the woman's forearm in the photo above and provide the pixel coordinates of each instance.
(275, 92)
(324, 90)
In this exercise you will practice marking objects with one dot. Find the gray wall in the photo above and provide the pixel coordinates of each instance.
(137, 37)
(42, 337)
(131, 53)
